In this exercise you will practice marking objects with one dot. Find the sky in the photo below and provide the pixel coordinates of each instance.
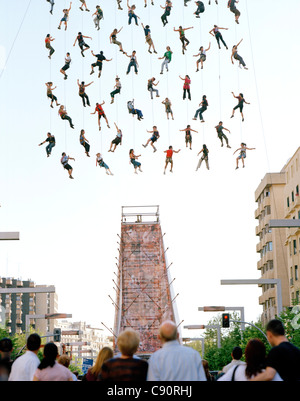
(69, 228)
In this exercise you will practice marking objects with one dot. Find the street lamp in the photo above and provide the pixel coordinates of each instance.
(202, 327)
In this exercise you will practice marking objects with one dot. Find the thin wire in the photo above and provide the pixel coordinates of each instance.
(202, 73)
(187, 104)
(168, 87)
(65, 91)
(238, 82)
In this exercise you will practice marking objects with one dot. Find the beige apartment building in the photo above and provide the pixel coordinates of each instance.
(277, 197)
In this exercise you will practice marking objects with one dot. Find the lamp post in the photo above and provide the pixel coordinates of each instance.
(223, 309)
(202, 327)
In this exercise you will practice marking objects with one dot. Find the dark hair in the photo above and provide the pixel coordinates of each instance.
(276, 327)
(33, 342)
(6, 344)
(204, 147)
(237, 352)
(170, 147)
(50, 355)
(147, 26)
(255, 354)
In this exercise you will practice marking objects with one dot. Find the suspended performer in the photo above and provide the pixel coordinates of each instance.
(48, 46)
(221, 134)
(119, 4)
(209, 2)
(64, 115)
(52, 5)
(133, 160)
(65, 18)
(98, 17)
(167, 13)
(168, 107)
(117, 141)
(167, 59)
(232, 6)
(100, 58)
(81, 43)
(150, 87)
(217, 34)
(236, 56)
(50, 94)
(242, 155)
(84, 142)
(185, 42)
(188, 136)
(100, 111)
(148, 37)
(118, 87)
(65, 162)
(51, 143)
(101, 163)
(185, 2)
(200, 8)
(133, 62)
(240, 104)
(202, 109)
(66, 66)
(83, 4)
(186, 86)
(113, 39)
(82, 93)
(153, 138)
(204, 157)
(169, 158)
(146, 3)
(202, 58)
(132, 110)
(132, 14)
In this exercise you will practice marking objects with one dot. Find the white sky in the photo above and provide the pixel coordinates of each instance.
(68, 227)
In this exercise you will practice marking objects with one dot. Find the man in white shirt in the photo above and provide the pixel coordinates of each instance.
(174, 362)
(24, 367)
(236, 355)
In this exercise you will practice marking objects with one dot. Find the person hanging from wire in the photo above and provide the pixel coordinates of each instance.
(52, 5)
(185, 2)
(202, 58)
(168, 108)
(209, 2)
(133, 160)
(65, 162)
(232, 6)
(153, 139)
(185, 42)
(240, 105)
(65, 18)
(132, 110)
(148, 37)
(204, 157)
(150, 87)
(132, 14)
(215, 31)
(200, 8)
(64, 115)
(98, 17)
(50, 95)
(203, 107)
(118, 87)
(132, 63)
(100, 162)
(113, 39)
(51, 143)
(82, 92)
(100, 58)
(81, 43)
(167, 57)
(119, 4)
(146, 3)
(83, 4)
(48, 46)
(66, 66)
(236, 56)
(167, 13)
(186, 86)
(242, 155)
(117, 140)
(100, 111)
(221, 134)
(169, 158)
(84, 142)
(188, 136)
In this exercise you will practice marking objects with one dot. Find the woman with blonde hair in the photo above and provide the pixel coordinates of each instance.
(93, 373)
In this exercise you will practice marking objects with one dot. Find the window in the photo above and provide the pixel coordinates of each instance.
(297, 190)
(268, 209)
(288, 202)
(267, 193)
(295, 246)
(296, 272)
(293, 198)
(270, 246)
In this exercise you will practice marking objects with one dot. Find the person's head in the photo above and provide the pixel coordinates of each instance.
(48, 35)
(82, 131)
(201, 48)
(115, 30)
(168, 329)
(131, 151)
(275, 332)
(68, 54)
(168, 48)
(104, 355)
(215, 26)
(188, 126)
(170, 147)
(204, 146)
(237, 353)
(243, 144)
(6, 347)
(133, 7)
(180, 27)
(241, 95)
(97, 154)
(154, 127)
(79, 33)
(147, 26)
(255, 355)
(128, 342)
(134, 52)
(64, 360)
(34, 340)
(187, 76)
(48, 134)
(63, 154)
(50, 83)
(204, 97)
(101, 52)
(50, 356)
(220, 122)
(82, 82)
